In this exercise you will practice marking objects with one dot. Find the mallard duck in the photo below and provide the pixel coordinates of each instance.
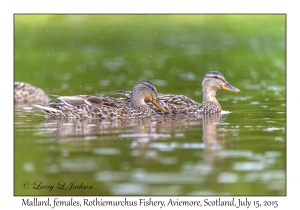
(104, 107)
(180, 104)
(26, 93)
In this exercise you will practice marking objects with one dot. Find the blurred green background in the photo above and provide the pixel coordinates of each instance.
(92, 54)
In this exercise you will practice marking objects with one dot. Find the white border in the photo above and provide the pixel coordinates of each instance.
(8, 8)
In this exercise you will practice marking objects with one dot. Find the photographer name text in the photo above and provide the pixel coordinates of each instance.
(61, 185)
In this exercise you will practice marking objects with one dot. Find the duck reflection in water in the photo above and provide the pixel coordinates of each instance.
(211, 137)
(145, 134)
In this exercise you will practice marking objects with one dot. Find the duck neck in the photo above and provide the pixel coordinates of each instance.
(140, 106)
(137, 102)
(209, 95)
(210, 103)
(142, 110)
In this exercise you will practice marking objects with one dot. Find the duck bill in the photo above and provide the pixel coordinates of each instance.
(157, 106)
(230, 88)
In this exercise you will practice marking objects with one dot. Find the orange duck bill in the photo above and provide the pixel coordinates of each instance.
(153, 101)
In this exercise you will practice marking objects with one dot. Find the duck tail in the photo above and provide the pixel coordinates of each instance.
(48, 110)
(125, 93)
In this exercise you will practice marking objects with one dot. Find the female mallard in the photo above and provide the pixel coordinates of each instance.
(26, 93)
(104, 107)
(180, 104)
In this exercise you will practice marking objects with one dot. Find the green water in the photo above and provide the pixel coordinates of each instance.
(242, 152)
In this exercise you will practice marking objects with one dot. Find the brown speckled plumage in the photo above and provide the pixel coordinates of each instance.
(180, 104)
(26, 93)
(104, 107)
